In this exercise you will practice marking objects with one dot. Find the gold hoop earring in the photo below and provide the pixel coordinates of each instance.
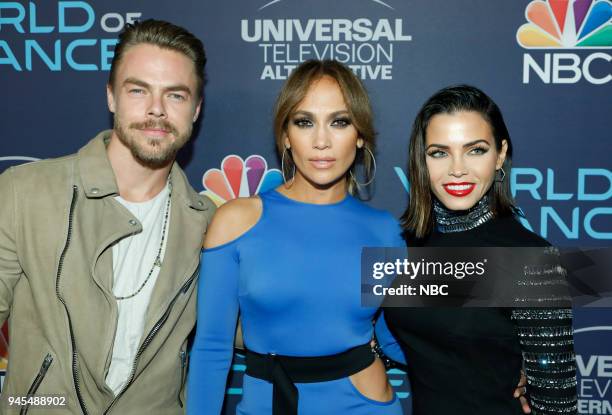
(283, 166)
(373, 175)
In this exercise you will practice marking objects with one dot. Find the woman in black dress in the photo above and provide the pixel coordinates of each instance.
(466, 361)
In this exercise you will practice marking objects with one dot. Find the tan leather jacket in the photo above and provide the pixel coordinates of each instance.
(58, 221)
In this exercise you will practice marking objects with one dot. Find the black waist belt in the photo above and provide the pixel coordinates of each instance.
(285, 371)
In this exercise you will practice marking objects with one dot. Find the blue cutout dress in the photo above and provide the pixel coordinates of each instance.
(294, 278)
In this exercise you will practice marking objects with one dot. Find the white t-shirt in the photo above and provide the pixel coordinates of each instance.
(133, 258)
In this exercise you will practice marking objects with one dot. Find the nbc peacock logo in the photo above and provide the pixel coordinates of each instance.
(565, 24)
(558, 26)
(239, 178)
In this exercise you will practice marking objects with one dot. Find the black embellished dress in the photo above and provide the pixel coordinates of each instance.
(468, 360)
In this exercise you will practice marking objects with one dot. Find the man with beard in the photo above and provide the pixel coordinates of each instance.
(99, 250)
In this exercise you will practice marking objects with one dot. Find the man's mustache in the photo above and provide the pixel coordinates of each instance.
(156, 125)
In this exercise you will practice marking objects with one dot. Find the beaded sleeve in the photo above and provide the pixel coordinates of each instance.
(547, 343)
(546, 339)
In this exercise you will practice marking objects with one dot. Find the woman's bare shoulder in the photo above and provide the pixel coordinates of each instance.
(232, 220)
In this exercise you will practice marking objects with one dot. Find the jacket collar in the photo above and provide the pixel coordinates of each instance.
(99, 179)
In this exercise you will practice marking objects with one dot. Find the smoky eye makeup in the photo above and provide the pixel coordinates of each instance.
(342, 121)
(301, 121)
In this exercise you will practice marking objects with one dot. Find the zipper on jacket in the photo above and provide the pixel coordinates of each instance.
(75, 376)
(150, 337)
(37, 381)
(183, 357)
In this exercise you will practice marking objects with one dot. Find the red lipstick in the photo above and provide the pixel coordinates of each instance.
(459, 189)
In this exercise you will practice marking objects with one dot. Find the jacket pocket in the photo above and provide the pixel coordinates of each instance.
(44, 367)
(183, 361)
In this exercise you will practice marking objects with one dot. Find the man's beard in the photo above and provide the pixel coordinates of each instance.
(164, 150)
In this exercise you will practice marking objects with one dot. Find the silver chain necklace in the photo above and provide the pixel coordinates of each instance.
(158, 261)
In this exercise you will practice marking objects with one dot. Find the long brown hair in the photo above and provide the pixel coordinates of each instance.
(293, 92)
(418, 220)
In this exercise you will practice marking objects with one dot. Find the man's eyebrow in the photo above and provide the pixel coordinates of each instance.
(177, 87)
(136, 81)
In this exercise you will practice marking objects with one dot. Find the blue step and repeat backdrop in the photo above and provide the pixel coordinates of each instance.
(546, 63)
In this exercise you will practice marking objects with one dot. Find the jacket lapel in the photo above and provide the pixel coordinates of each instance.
(181, 257)
(111, 230)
